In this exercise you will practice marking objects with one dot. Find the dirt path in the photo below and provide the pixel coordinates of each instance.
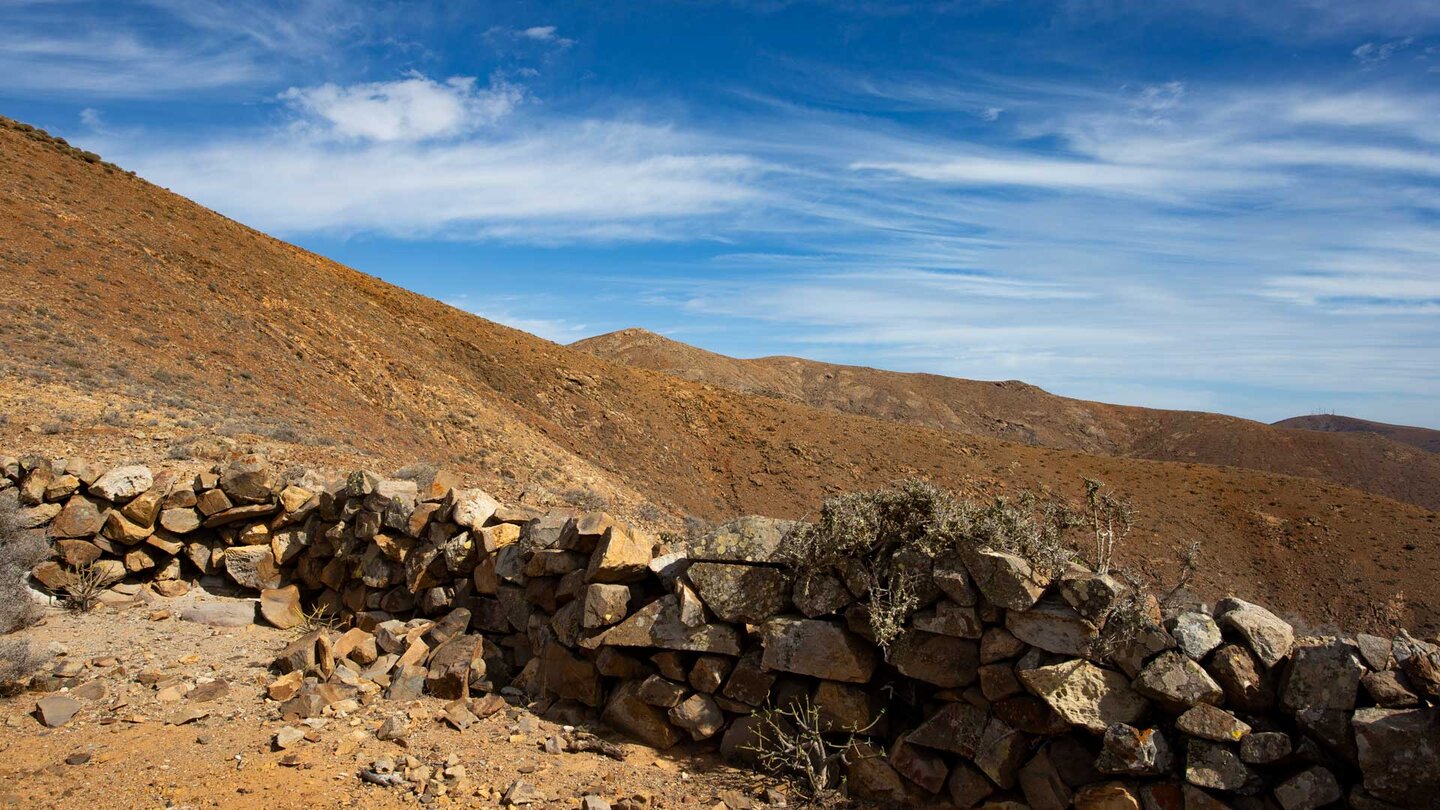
(127, 748)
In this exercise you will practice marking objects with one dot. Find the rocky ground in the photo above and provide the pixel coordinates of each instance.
(174, 713)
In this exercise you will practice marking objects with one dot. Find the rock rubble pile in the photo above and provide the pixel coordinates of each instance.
(1005, 689)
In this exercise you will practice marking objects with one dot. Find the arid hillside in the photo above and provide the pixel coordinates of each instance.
(1423, 438)
(139, 322)
(1375, 461)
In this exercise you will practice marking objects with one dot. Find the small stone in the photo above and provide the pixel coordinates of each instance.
(521, 792)
(288, 737)
(394, 728)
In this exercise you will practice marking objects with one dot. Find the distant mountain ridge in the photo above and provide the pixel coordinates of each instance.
(1020, 412)
(1423, 438)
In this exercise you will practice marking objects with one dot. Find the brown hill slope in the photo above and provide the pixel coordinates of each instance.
(1423, 438)
(127, 305)
(1016, 411)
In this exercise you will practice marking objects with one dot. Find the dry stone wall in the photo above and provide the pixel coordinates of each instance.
(995, 694)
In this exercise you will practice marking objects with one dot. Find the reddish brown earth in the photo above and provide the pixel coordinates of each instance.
(1423, 438)
(1370, 459)
(139, 323)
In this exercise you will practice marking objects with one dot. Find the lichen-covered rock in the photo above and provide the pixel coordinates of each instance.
(743, 594)
(1177, 683)
(749, 539)
(1310, 789)
(1323, 674)
(1131, 751)
(1210, 723)
(1007, 580)
(1196, 634)
(1090, 594)
(1399, 754)
(1215, 766)
(817, 648)
(1086, 695)
(1265, 747)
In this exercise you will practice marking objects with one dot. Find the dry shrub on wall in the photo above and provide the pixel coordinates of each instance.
(896, 533)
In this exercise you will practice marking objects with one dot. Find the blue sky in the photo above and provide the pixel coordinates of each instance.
(1208, 204)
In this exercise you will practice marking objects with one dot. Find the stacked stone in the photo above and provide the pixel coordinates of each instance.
(1005, 689)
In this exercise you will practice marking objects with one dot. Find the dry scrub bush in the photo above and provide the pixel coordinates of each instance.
(20, 551)
(896, 533)
(790, 743)
(84, 585)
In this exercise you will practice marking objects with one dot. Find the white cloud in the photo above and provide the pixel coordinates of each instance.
(553, 181)
(540, 32)
(1373, 53)
(411, 109)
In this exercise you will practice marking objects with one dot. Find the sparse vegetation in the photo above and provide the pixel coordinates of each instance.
(791, 743)
(20, 551)
(84, 585)
(896, 533)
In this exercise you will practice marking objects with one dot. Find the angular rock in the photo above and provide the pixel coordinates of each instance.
(311, 654)
(122, 483)
(626, 712)
(77, 553)
(924, 767)
(252, 567)
(749, 682)
(749, 539)
(817, 595)
(1214, 766)
(281, 607)
(1086, 695)
(1267, 635)
(743, 594)
(454, 666)
(56, 710)
(967, 786)
(658, 625)
(604, 605)
(220, 614)
(1091, 595)
(1308, 790)
(1210, 723)
(1043, 786)
(1265, 747)
(698, 715)
(1399, 754)
(1109, 796)
(944, 661)
(1323, 674)
(1006, 580)
(1196, 634)
(80, 517)
(1177, 683)
(1247, 687)
(1134, 752)
(661, 692)
(213, 502)
(247, 480)
(121, 530)
(956, 727)
(817, 648)
(1001, 751)
(1055, 627)
(1387, 690)
(870, 777)
(180, 520)
(947, 618)
(622, 555)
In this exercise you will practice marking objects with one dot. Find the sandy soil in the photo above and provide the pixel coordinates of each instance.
(128, 747)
